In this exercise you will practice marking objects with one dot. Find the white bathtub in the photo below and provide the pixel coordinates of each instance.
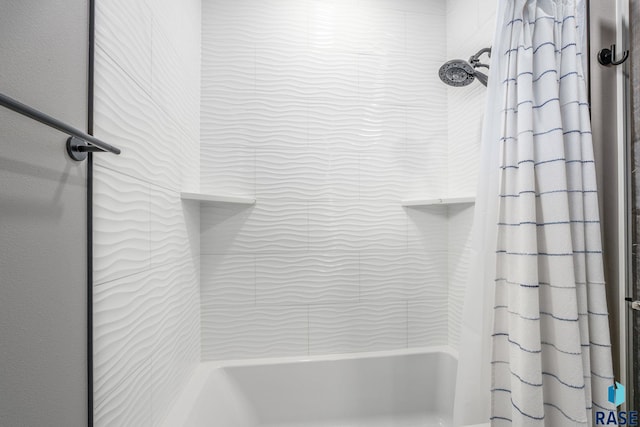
(392, 389)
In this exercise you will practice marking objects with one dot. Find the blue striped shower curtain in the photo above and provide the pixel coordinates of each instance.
(551, 350)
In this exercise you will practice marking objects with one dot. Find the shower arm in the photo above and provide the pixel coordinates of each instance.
(475, 59)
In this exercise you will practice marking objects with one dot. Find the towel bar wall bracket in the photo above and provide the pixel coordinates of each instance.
(78, 148)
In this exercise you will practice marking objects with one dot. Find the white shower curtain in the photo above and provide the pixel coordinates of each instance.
(550, 346)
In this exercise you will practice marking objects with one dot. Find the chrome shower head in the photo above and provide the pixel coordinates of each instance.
(457, 72)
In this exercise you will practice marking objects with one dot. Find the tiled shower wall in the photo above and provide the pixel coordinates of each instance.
(330, 113)
(146, 242)
(470, 27)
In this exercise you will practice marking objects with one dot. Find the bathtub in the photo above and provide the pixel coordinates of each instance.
(393, 389)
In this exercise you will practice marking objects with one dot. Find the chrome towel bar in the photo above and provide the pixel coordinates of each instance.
(79, 142)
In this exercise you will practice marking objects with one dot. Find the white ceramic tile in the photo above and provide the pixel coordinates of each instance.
(306, 73)
(147, 242)
(168, 238)
(295, 278)
(280, 24)
(426, 169)
(424, 37)
(227, 121)
(383, 226)
(398, 79)
(176, 350)
(228, 72)
(427, 323)
(175, 82)
(401, 276)
(434, 7)
(289, 175)
(126, 116)
(465, 139)
(382, 175)
(383, 31)
(341, 328)
(335, 25)
(126, 313)
(427, 123)
(123, 30)
(121, 225)
(270, 225)
(334, 226)
(427, 227)
(227, 170)
(253, 331)
(129, 404)
(228, 279)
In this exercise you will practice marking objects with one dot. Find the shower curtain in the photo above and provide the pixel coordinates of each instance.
(537, 233)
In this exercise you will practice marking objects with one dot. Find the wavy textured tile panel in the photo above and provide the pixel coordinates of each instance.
(126, 315)
(424, 40)
(227, 171)
(348, 124)
(176, 351)
(465, 138)
(399, 80)
(189, 164)
(433, 7)
(294, 278)
(121, 225)
(306, 73)
(126, 116)
(341, 328)
(459, 265)
(460, 227)
(335, 25)
(309, 175)
(250, 331)
(168, 237)
(175, 82)
(428, 323)
(382, 175)
(428, 123)
(227, 279)
(227, 122)
(129, 405)
(383, 31)
(225, 24)
(270, 225)
(334, 226)
(383, 226)
(426, 168)
(281, 24)
(229, 71)
(401, 276)
(427, 228)
(123, 30)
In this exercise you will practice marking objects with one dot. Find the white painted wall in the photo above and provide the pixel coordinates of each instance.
(147, 102)
(470, 27)
(330, 113)
(43, 241)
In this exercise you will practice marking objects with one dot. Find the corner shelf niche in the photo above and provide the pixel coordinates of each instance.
(215, 199)
(442, 201)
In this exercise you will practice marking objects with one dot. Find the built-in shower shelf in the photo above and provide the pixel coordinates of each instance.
(442, 201)
(218, 198)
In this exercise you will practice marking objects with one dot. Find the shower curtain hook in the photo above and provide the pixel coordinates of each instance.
(607, 56)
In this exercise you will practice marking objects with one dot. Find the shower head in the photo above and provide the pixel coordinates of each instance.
(459, 72)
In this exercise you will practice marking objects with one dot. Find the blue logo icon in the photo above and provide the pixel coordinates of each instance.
(616, 394)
